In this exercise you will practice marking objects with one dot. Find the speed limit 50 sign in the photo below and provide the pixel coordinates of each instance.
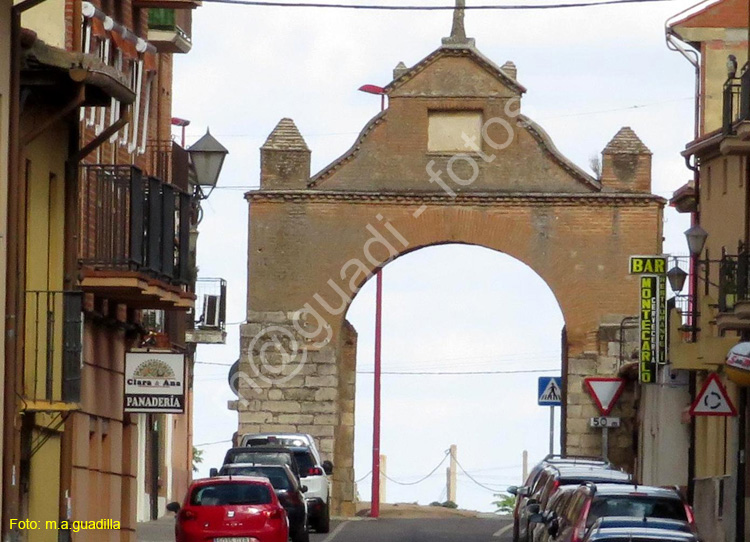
(603, 421)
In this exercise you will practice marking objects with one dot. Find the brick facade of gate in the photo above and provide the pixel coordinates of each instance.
(410, 181)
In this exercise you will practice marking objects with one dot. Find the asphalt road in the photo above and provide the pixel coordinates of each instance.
(419, 530)
(380, 530)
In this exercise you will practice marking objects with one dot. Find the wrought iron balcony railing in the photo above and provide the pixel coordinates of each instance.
(53, 346)
(736, 101)
(733, 281)
(169, 162)
(135, 223)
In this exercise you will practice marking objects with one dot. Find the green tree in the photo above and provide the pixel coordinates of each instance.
(505, 503)
(197, 458)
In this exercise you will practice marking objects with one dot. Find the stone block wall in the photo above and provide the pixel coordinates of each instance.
(288, 384)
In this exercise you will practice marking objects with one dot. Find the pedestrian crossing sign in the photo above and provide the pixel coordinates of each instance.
(550, 391)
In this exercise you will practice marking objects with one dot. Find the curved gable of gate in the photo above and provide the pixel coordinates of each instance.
(454, 92)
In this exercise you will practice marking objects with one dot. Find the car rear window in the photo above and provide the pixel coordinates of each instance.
(230, 493)
(305, 461)
(269, 458)
(635, 506)
(277, 476)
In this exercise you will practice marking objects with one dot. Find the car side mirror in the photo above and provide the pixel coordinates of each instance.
(304, 489)
(513, 490)
(328, 467)
(173, 507)
(213, 472)
(536, 518)
(533, 508)
(523, 491)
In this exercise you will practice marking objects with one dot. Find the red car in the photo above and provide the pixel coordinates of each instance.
(236, 509)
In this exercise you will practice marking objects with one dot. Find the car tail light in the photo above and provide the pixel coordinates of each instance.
(187, 514)
(556, 485)
(315, 471)
(289, 497)
(274, 514)
(690, 516)
(579, 531)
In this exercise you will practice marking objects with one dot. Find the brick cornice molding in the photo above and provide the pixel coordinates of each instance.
(605, 199)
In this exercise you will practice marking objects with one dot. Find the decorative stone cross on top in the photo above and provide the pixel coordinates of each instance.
(458, 31)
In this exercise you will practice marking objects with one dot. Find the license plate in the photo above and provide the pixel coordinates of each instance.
(233, 539)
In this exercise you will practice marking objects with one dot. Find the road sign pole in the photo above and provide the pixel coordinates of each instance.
(605, 443)
(551, 430)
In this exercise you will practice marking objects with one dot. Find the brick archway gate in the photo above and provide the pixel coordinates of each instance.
(410, 181)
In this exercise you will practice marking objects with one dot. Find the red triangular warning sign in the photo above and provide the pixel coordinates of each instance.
(605, 391)
(713, 399)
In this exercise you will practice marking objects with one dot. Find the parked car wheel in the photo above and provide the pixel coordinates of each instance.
(302, 535)
(323, 523)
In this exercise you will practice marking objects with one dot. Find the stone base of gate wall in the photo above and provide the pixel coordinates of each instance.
(614, 344)
(289, 383)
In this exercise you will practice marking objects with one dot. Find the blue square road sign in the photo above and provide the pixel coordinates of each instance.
(550, 391)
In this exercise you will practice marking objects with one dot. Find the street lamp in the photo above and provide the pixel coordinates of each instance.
(676, 277)
(696, 240)
(207, 156)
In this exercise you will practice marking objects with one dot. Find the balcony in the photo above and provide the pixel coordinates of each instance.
(169, 162)
(133, 239)
(53, 345)
(734, 293)
(211, 318)
(736, 115)
(170, 30)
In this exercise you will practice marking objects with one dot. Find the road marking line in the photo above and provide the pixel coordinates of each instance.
(502, 531)
(336, 531)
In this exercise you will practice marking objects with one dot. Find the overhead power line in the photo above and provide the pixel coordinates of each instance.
(391, 7)
(212, 443)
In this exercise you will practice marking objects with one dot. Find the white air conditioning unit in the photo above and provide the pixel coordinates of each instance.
(211, 313)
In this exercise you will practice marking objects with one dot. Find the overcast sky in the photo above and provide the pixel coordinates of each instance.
(449, 308)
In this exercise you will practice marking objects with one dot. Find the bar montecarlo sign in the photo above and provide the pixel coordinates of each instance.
(154, 382)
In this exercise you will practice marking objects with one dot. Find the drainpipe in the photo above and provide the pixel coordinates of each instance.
(14, 285)
(674, 44)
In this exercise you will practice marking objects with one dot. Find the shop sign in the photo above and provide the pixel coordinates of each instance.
(154, 382)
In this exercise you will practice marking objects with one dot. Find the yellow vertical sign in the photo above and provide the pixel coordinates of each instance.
(648, 324)
(653, 313)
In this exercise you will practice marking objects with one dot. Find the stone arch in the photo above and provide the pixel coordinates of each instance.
(311, 243)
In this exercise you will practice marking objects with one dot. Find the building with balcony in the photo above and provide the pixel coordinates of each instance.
(102, 211)
(715, 317)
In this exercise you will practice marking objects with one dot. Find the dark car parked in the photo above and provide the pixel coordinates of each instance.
(290, 493)
(590, 501)
(262, 455)
(548, 477)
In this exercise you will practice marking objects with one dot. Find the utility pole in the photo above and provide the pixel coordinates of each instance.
(451, 493)
(525, 463)
(375, 495)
